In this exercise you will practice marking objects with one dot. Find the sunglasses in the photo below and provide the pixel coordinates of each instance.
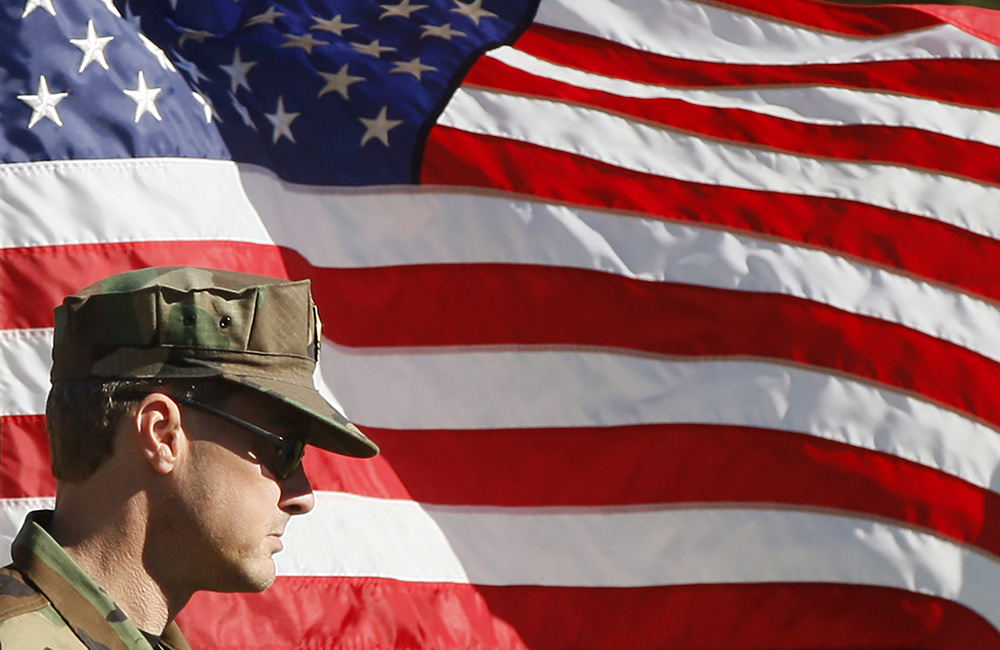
(290, 449)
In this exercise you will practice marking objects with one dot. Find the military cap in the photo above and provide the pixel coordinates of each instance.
(178, 322)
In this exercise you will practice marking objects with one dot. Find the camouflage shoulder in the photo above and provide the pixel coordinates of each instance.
(28, 621)
(17, 595)
(38, 629)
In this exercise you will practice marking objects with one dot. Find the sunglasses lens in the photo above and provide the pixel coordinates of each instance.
(289, 457)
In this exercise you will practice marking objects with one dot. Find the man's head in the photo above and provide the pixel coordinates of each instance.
(198, 384)
(182, 324)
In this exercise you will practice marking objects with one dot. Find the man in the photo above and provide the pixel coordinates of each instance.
(181, 404)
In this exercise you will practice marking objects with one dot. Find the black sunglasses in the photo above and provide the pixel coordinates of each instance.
(290, 449)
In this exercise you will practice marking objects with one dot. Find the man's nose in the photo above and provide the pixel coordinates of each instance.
(297, 496)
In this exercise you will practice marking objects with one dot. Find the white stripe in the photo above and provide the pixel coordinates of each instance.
(107, 201)
(25, 357)
(470, 389)
(348, 535)
(572, 546)
(351, 228)
(706, 32)
(370, 230)
(12, 514)
(648, 149)
(827, 105)
(492, 389)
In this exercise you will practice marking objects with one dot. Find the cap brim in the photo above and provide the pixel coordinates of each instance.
(327, 429)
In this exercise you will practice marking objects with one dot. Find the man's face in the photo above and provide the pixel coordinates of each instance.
(235, 507)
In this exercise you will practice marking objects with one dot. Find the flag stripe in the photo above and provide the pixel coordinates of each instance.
(681, 463)
(821, 121)
(501, 546)
(647, 149)
(924, 247)
(730, 616)
(96, 196)
(440, 389)
(461, 225)
(24, 464)
(980, 21)
(511, 546)
(505, 305)
(39, 277)
(601, 388)
(811, 104)
(704, 32)
(844, 19)
(661, 464)
(946, 79)
(624, 247)
(27, 355)
(525, 303)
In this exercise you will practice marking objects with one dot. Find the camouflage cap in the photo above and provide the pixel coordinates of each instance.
(178, 322)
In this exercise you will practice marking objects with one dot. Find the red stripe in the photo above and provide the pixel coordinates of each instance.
(982, 22)
(924, 247)
(24, 463)
(661, 463)
(857, 21)
(381, 613)
(679, 463)
(953, 80)
(37, 278)
(460, 304)
(508, 304)
(870, 143)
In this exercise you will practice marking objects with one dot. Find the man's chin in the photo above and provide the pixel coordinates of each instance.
(263, 579)
(250, 580)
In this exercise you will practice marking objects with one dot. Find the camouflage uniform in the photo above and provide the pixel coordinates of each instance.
(47, 601)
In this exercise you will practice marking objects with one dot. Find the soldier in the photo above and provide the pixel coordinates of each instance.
(181, 404)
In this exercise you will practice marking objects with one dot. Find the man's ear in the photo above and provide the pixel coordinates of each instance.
(160, 435)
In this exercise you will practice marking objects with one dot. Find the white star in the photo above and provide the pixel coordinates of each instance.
(43, 103)
(372, 48)
(110, 6)
(335, 24)
(145, 99)
(197, 35)
(158, 54)
(441, 31)
(266, 18)
(281, 121)
(404, 9)
(206, 107)
(414, 67)
(473, 10)
(379, 127)
(339, 82)
(306, 41)
(92, 47)
(31, 5)
(238, 71)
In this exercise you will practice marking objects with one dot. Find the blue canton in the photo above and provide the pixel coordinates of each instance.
(332, 93)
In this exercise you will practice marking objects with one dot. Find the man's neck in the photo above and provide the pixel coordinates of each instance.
(110, 544)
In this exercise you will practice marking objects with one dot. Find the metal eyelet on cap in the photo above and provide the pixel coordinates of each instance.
(189, 319)
(225, 322)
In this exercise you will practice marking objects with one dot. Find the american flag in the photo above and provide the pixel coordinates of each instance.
(676, 321)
